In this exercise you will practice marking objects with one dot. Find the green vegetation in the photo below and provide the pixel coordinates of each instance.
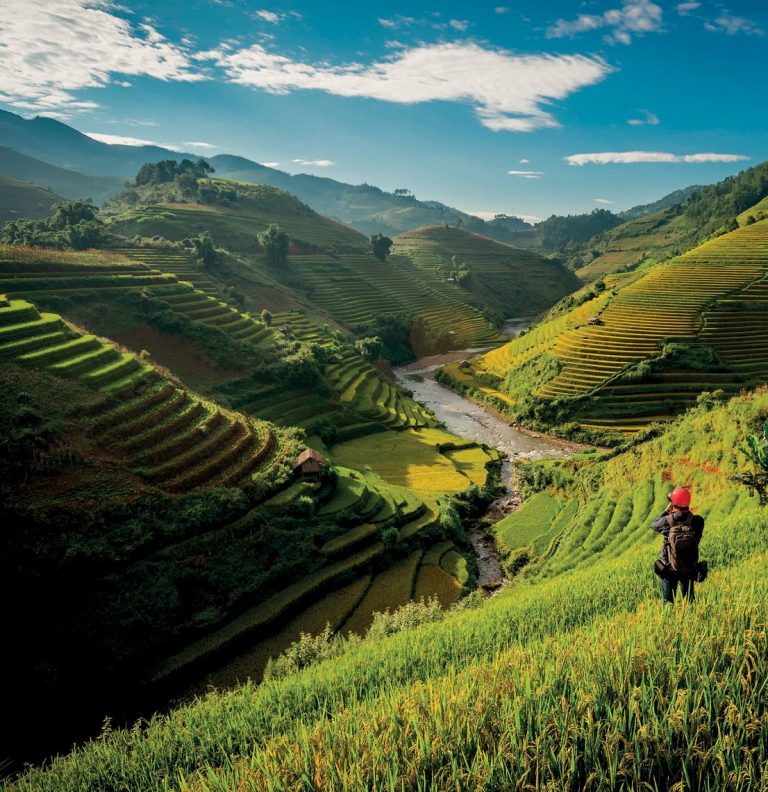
(696, 323)
(74, 224)
(704, 212)
(381, 246)
(275, 244)
(580, 648)
(20, 199)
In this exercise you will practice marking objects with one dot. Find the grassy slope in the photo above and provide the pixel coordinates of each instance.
(236, 224)
(540, 685)
(332, 273)
(711, 298)
(510, 281)
(24, 200)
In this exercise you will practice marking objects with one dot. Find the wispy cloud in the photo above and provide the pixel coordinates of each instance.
(604, 201)
(126, 140)
(400, 21)
(649, 118)
(274, 17)
(316, 163)
(684, 9)
(463, 72)
(634, 18)
(733, 25)
(200, 144)
(270, 164)
(524, 161)
(501, 10)
(633, 157)
(51, 50)
(526, 174)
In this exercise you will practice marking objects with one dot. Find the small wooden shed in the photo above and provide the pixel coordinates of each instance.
(309, 463)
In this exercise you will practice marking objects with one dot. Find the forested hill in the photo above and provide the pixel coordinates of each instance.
(708, 210)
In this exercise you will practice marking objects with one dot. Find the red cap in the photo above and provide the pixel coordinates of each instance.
(681, 497)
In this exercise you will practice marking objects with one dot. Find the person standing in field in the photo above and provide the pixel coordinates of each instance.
(678, 562)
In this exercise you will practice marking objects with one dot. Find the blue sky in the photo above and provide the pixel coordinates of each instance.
(528, 108)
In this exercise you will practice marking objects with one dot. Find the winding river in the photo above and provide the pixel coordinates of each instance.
(467, 419)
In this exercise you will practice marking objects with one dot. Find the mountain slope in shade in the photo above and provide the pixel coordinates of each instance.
(64, 182)
(24, 200)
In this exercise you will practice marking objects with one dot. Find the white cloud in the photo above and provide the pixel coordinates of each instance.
(268, 16)
(501, 10)
(270, 164)
(603, 201)
(199, 144)
(125, 140)
(526, 174)
(524, 161)
(317, 163)
(274, 17)
(684, 9)
(733, 25)
(632, 157)
(508, 91)
(459, 24)
(51, 50)
(635, 17)
(649, 118)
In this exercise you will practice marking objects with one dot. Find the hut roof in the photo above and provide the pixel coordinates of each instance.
(307, 455)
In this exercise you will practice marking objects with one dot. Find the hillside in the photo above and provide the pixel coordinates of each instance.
(665, 202)
(542, 681)
(331, 272)
(696, 323)
(364, 207)
(670, 232)
(149, 414)
(233, 221)
(24, 199)
(63, 181)
(510, 281)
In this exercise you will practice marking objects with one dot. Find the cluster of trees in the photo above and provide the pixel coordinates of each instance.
(275, 244)
(382, 245)
(74, 224)
(168, 170)
(717, 204)
(557, 232)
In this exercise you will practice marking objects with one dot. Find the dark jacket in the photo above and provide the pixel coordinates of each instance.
(660, 525)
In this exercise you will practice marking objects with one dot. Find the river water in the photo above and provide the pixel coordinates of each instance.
(467, 419)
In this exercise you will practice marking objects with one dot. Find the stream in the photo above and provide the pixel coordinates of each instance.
(467, 419)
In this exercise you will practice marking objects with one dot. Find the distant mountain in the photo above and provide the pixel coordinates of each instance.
(67, 183)
(366, 208)
(24, 200)
(676, 197)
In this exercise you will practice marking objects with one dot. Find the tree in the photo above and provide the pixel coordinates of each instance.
(69, 213)
(275, 244)
(266, 318)
(381, 246)
(205, 252)
(369, 348)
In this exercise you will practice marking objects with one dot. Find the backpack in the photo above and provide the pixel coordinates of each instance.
(682, 546)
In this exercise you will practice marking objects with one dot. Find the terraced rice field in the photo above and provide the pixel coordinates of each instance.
(180, 264)
(167, 437)
(355, 289)
(429, 471)
(715, 296)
